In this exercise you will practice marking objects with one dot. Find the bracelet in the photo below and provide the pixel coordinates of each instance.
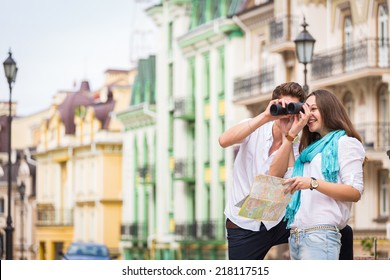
(249, 125)
(289, 137)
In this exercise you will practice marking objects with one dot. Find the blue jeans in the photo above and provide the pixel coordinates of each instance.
(320, 244)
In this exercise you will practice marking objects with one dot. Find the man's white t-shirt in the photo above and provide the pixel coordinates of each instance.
(252, 159)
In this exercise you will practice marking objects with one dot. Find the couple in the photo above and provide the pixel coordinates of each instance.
(323, 170)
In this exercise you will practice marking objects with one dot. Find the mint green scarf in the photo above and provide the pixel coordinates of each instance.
(328, 145)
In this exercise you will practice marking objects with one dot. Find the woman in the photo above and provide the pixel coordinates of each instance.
(327, 176)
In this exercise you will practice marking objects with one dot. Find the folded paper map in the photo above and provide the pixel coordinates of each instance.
(266, 200)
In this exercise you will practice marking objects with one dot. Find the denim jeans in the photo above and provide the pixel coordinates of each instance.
(321, 244)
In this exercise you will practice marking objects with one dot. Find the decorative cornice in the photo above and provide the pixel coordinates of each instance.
(138, 116)
(208, 33)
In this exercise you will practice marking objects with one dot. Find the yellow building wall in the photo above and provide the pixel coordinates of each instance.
(112, 217)
(46, 237)
(112, 176)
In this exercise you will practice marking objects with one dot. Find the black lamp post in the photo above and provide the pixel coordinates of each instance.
(304, 46)
(10, 70)
(22, 191)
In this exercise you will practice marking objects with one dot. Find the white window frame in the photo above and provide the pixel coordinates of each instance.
(384, 203)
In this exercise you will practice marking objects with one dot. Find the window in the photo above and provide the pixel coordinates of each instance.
(348, 49)
(170, 38)
(383, 193)
(206, 76)
(207, 142)
(383, 115)
(383, 37)
(220, 83)
(348, 104)
(2, 206)
(221, 129)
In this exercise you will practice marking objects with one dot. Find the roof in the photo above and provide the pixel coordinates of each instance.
(103, 111)
(71, 102)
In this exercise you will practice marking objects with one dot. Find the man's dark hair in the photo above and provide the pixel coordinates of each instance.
(289, 89)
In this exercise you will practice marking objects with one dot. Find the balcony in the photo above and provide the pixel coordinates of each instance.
(147, 174)
(375, 136)
(186, 231)
(133, 231)
(253, 86)
(185, 170)
(55, 217)
(197, 231)
(185, 109)
(364, 58)
(282, 32)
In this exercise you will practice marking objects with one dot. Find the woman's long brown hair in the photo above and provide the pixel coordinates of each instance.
(333, 115)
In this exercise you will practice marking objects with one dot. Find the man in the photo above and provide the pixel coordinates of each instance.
(260, 139)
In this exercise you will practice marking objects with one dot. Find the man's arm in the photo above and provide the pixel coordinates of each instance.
(239, 132)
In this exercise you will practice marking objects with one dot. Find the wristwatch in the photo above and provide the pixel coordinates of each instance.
(289, 137)
(313, 184)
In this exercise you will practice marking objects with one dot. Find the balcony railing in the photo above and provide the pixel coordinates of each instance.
(369, 53)
(146, 173)
(375, 136)
(254, 84)
(133, 231)
(185, 170)
(197, 231)
(185, 109)
(55, 217)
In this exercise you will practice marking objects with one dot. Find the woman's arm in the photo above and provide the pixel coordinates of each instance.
(337, 191)
(351, 155)
(285, 158)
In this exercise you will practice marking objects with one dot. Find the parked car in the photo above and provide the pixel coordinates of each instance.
(86, 251)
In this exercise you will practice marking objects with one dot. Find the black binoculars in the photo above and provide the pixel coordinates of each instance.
(291, 109)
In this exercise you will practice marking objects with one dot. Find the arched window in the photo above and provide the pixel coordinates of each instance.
(348, 104)
(348, 31)
(383, 117)
(2, 206)
(384, 204)
(383, 36)
(348, 41)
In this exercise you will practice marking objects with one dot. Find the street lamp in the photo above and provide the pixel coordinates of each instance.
(304, 46)
(10, 70)
(22, 191)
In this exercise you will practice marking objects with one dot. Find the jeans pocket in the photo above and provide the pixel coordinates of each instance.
(334, 237)
(316, 238)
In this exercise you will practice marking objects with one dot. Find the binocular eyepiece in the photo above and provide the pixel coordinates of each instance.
(291, 109)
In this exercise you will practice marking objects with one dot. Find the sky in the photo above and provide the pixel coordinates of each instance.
(58, 43)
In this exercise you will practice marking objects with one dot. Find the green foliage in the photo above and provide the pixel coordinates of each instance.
(367, 244)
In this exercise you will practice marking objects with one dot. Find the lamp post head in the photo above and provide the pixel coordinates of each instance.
(304, 45)
(10, 69)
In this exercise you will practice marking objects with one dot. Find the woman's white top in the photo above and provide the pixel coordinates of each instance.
(317, 208)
